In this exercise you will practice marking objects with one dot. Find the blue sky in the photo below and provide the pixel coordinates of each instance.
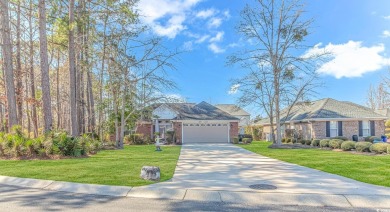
(358, 32)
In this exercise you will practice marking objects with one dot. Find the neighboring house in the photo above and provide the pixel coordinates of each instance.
(384, 112)
(192, 123)
(327, 118)
(237, 112)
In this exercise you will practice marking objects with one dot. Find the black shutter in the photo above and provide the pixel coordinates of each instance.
(360, 128)
(372, 128)
(340, 128)
(328, 129)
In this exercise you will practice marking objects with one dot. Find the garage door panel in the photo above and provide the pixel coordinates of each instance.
(206, 134)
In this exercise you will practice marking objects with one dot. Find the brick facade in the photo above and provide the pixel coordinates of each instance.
(145, 129)
(350, 128)
(317, 129)
(177, 127)
(233, 132)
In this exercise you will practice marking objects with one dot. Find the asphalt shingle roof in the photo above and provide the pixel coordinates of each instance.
(201, 111)
(232, 109)
(328, 109)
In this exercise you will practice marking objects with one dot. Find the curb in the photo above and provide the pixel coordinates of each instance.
(300, 199)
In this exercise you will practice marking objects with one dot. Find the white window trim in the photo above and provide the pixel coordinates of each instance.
(334, 129)
(366, 131)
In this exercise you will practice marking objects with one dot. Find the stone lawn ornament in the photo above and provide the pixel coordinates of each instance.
(158, 147)
(150, 173)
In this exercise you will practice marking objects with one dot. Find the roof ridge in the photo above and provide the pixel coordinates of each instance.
(317, 112)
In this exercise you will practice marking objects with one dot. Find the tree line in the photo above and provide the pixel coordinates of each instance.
(79, 66)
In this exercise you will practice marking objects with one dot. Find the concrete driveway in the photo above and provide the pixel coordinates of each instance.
(225, 167)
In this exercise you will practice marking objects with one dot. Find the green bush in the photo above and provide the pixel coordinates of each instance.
(289, 140)
(348, 145)
(16, 144)
(388, 149)
(307, 142)
(341, 138)
(235, 140)
(335, 143)
(363, 146)
(301, 141)
(246, 140)
(324, 143)
(379, 148)
(137, 139)
(316, 142)
(284, 140)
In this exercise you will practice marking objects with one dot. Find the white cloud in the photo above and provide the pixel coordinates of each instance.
(387, 17)
(386, 33)
(202, 39)
(214, 22)
(206, 13)
(218, 37)
(350, 59)
(215, 48)
(234, 89)
(174, 12)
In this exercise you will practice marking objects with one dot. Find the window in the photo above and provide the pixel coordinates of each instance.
(366, 128)
(333, 129)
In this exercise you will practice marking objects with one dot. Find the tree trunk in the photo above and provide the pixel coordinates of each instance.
(101, 79)
(19, 77)
(72, 73)
(45, 80)
(34, 118)
(58, 91)
(7, 66)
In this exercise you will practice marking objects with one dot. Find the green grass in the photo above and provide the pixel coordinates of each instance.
(365, 168)
(109, 167)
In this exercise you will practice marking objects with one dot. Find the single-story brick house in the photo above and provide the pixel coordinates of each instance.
(327, 118)
(192, 123)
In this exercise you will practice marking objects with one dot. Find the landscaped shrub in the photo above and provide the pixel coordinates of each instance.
(341, 138)
(335, 143)
(324, 143)
(16, 144)
(246, 140)
(301, 141)
(235, 140)
(316, 142)
(307, 142)
(284, 140)
(137, 139)
(363, 146)
(379, 148)
(388, 149)
(348, 145)
(289, 140)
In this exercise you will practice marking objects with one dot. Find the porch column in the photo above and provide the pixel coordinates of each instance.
(156, 126)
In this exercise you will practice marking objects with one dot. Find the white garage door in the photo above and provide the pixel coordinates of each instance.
(205, 133)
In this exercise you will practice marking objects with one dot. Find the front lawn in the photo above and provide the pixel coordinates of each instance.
(109, 167)
(365, 168)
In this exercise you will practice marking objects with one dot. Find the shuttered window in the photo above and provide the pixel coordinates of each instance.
(333, 129)
(366, 128)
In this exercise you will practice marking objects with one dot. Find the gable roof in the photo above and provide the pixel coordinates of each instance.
(232, 109)
(201, 111)
(327, 109)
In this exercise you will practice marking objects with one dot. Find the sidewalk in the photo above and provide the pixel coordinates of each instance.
(254, 197)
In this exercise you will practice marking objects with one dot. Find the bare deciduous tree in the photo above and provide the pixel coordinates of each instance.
(280, 73)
